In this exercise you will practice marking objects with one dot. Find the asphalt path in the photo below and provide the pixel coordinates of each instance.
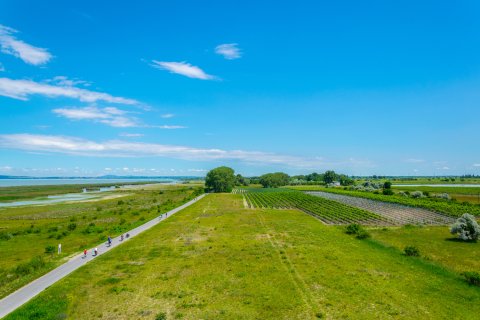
(26, 293)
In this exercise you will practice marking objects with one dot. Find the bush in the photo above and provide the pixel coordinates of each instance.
(417, 194)
(411, 251)
(72, 226)
(5, 236)
(363, 234)
(357, 230)
(472, 278)
(466, 227)
(387, 185)
(161, 316)
(49, 249)
(388, 192)
(26, 268)
(353, 228)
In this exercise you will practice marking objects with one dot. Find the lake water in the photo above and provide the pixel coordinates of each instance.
(40, 182)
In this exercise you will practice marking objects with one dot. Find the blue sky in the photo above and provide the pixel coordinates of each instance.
(177, 88)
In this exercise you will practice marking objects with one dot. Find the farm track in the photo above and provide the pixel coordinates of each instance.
(397, 213)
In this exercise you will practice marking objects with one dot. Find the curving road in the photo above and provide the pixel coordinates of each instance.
(24, 294)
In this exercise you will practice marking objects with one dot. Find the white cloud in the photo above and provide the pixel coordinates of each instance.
(66, 82)
(131, 135)
(183, 68)
(118, 148)
(228, 51)
(110, 116)
(6, 168)
(170, 127)
(167, 115)
(28, 53)
(23, 89)
(414, 160)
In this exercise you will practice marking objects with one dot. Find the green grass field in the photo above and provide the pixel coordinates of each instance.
(435, 244)
(25, 232)
(219, 260)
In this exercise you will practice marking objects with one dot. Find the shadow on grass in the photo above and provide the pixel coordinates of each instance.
(460, 240)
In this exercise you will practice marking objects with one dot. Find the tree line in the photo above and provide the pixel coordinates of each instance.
(224, 179)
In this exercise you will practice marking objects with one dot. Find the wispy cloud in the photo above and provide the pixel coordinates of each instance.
(476, 164)
(229, 51)
(20, 49)
(119, 148)
(110, 116)
(170, 127)
(414, 160)
(131, 135)
(2, 68)
(23, 89)
(167, 115)
(182, 68)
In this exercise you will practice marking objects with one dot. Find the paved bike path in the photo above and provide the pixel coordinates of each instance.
(26, 293)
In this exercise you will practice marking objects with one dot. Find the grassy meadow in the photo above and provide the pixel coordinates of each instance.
(27, 232)
(219, 260)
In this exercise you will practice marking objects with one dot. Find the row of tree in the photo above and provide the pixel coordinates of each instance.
(223, 179)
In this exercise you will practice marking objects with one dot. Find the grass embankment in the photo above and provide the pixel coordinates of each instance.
(448, 207)
(217, 260)
(26, 232)
(29, 192)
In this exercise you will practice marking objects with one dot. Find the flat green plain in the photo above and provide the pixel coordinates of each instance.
(25, 232)
(219, 260)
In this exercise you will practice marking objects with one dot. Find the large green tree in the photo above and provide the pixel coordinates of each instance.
(221, 179)
(274, 180)
(329, 176)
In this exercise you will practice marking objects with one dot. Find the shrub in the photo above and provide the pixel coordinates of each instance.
(411, 251)
(120, 202)
(72, 226)
(363, 234)
(5, 236)
(387, 185)
(417, 194)
(353, 228)
(472, 277)
(466, 227)
(26, 268)
(388, 192)
(357, 230)
(49, 249)
(445, 196)
(161, 316)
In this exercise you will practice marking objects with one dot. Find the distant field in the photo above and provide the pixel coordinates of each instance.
(25, 232)
(218, 260)
(451, 208)
(29, 192)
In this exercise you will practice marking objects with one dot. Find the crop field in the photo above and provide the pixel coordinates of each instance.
(400, 214)
(29, 235)
(219, 260)
(446, 207)
(328, 211)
